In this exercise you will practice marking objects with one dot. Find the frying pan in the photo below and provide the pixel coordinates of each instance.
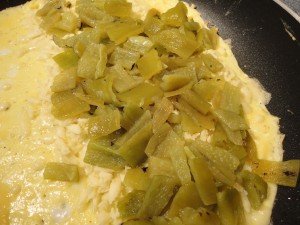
(266, 42)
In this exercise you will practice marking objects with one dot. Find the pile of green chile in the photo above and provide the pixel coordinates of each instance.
(142, 85)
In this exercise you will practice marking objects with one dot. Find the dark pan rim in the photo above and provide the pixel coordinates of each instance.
(288, 9)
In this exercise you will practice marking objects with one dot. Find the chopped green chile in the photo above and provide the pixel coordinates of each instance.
(190, 216)
(217, 155)
(69, 22)
(108, 140)
(188, 33)
(221, 162)
(139, 123)
(173, 62)
(204, 74)
(162, 220)
(188, 124)
(152, 24)
(175, 118)
(130, 204)
(107, 122)
(124, 57)
(195, 100)
(90, 99)
(204, 181)
(219, 137)
(222, 174)
(208, 39)
(130, 114)
(135, 72)
(177, 128)
(235, 136)
(66, 105)
(230, 207)
(187, 196)
(102, 156)
(133, 151)
(122, 81)
(80, 45)
(176, 42)
(157, 196)
(139, 44)
(175, 16)
(201, 120)
(91, 15)
(93, 62)
(95, 35)
(88, 36)
(179, 91)
(223, 135)
(150, 64)
(48, 7)
(97, 3)
(138, 222)
(180, 163)
(119, 8)
(212, 63)
(165, 148)
(208, 89)
(158, 137)
(65, 42)
(66, 59)
(136, 179)
(237, 150)
(119, 32)
(161, 114)
(161, 166)
(178, 78)
(252, 157)
(142, 95)
(64, 81)
(232, 120)
(256, 188)
(101, 88)
(61, 172)
(192, 25)
(231, 98)
(52, 17)
(283, 173)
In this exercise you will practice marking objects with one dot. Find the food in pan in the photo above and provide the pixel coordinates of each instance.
(131, 112)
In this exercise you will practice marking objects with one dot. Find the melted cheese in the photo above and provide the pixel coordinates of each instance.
(30, 136)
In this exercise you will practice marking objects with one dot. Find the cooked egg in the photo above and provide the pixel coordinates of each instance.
(30, 136)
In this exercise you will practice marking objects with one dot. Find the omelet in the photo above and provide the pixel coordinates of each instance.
(30, 136)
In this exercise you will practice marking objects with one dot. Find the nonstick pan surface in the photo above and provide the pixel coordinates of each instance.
(265, 41)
